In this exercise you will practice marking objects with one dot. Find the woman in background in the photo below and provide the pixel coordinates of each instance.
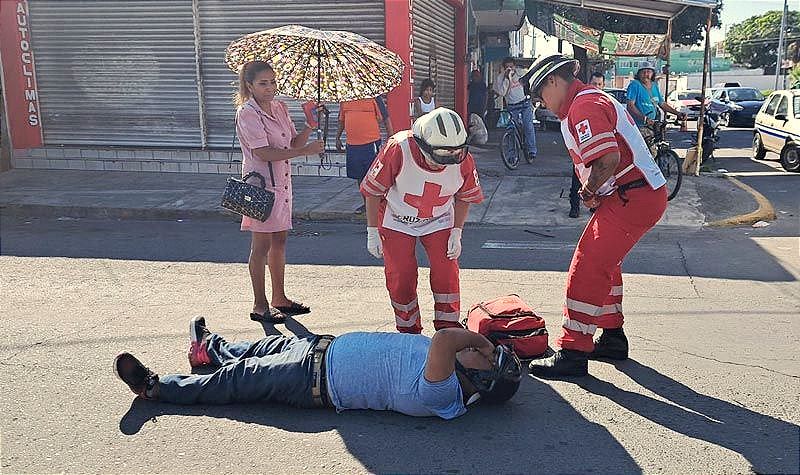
(425, 102)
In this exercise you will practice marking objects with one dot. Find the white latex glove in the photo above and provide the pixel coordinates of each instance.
(374, 242)
(454, 244)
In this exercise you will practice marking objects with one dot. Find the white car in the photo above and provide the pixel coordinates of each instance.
(777, 129)
(686, 102)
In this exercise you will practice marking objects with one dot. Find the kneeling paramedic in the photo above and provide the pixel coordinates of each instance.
(420, 186)
(411, 374)
(622, 181)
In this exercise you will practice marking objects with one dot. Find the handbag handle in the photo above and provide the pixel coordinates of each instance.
(233, 143)
(260, 177)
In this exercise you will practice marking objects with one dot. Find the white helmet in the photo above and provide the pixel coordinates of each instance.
(442, 136)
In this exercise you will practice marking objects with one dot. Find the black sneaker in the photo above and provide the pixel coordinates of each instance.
(198, 343)
(142, 381)
(562, 363)
(612, 345)
(574, 212)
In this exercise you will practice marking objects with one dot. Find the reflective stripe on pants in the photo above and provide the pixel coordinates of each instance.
(594, 283)
(400, 268)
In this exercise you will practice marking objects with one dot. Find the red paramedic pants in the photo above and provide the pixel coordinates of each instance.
(594, 283)
(400, 267)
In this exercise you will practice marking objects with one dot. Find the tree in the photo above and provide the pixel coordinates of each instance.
(687, 28)
(754, 42)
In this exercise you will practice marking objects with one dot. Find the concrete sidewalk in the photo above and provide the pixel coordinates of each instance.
(533, 195)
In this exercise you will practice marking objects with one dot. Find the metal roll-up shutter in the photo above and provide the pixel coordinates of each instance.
(116, 73)
(434, 34)
(222, 21)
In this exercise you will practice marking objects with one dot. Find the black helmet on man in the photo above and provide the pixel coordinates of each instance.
(442, 136)
(539, 71)
(498, 384)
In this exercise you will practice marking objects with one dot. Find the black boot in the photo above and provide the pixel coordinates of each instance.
(574, 211)
(562, 363)
(612, 345)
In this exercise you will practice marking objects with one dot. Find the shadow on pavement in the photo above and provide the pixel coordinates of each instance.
(548, 436)
(769, 444)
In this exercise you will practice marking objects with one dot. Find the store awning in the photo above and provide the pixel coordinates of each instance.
(663, 9)
(493, 16)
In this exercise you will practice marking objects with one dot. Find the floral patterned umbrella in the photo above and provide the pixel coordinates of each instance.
(325, 66)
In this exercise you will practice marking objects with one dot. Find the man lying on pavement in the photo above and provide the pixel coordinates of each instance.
(411, 374)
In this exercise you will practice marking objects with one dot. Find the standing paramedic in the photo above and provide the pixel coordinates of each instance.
(361, 119)
(518, 102)
(269, 140)
(621, 180)
(420, 187)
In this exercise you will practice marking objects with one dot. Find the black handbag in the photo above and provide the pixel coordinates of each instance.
(248, 199)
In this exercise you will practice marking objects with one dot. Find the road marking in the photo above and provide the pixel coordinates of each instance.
(775, 173)
(556, 246)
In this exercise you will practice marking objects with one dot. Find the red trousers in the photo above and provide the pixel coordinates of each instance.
(594, 283)
(400, 267)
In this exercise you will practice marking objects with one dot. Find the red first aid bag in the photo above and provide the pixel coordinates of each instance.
(509, 321)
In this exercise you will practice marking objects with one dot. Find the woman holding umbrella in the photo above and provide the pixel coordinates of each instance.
(269, 140)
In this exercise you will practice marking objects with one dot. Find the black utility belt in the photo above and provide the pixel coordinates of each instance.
(319, 383)
(621, 189)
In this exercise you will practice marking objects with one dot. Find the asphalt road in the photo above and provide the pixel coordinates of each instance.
(711, 386)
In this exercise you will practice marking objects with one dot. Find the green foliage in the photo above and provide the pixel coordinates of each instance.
(794, 77)
(754, 42)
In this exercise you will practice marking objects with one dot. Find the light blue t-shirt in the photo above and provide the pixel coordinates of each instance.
(384, 372)
(645, 101)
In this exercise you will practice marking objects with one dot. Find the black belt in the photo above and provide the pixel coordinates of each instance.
(621, 189)
(527, 99)
(319, 383)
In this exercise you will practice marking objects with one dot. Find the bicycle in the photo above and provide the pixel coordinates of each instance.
(513, 143)
(667, 160)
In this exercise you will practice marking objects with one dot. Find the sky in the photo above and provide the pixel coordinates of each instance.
(735, 11)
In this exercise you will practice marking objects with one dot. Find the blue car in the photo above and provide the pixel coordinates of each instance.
(744, 104)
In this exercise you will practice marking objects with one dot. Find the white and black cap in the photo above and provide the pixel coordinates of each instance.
(537, 73)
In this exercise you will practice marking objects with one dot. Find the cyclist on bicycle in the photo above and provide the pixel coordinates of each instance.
(644, 98)
(507, 84)
(621, 180)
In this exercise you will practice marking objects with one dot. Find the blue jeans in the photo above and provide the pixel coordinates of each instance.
(522, 112)
(275, 369)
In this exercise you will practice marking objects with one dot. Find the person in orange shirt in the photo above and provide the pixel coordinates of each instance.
(361, 121)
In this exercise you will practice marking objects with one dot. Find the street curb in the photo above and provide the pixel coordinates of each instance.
(765, 211)
(94, 212)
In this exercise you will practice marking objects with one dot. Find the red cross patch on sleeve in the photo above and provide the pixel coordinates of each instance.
(584, 130)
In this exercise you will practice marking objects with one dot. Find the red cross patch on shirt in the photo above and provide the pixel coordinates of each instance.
(584, 130)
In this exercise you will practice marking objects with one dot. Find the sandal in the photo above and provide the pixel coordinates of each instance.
(275, 316)
(296, 308)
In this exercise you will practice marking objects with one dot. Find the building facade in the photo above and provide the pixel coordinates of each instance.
(141, 85)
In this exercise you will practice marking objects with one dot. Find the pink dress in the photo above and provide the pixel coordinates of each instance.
(255, 129)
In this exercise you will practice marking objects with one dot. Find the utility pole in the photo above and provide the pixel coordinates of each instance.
(781, 46)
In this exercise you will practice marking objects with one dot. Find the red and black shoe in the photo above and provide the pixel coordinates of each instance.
(198, 346)
(142, 381)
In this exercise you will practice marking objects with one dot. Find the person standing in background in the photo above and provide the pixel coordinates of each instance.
(269, 140)
(360, 120)
(599, 81)
(425, 102)
(478, 94)
(518, 102)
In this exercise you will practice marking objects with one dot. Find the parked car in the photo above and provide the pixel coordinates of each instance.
(620, 95)
(727, 84)
(777, 129)
(686, 102)
(744, 102)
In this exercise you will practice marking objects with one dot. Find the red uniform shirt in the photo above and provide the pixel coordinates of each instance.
(387, 164)
(591, 120)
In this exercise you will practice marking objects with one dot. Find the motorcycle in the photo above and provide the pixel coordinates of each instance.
(711, 125)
